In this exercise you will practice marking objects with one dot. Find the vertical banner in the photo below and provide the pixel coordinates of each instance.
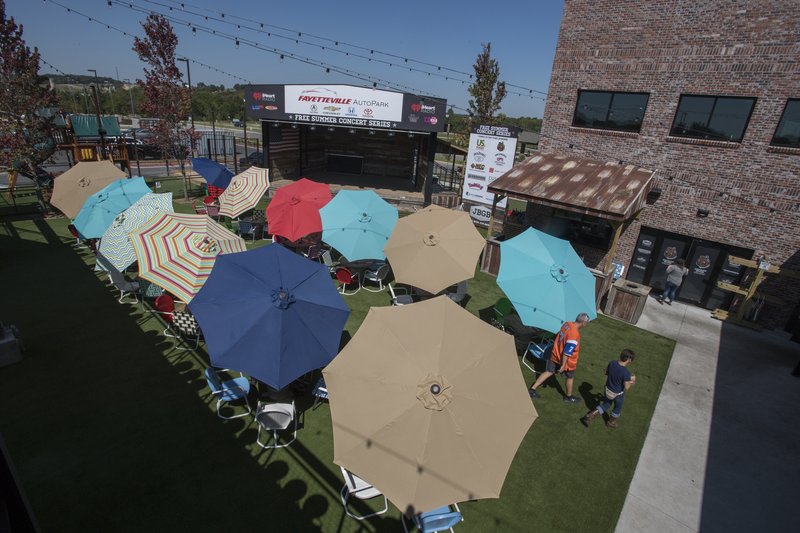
(491, 154)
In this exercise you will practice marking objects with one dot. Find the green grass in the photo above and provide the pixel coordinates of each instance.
(111, 429)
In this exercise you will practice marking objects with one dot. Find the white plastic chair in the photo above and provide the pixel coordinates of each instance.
(538, 349)
(355, 486)
(400, 295)
(275, 417)
(376, 276)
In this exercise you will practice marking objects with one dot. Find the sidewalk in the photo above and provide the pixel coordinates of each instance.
(722, 452)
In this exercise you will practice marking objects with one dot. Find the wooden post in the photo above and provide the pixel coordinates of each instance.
(617, 225)
(490, 230)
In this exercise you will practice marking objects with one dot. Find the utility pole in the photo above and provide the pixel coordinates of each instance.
(191, 95)
(130, 93)
(97, 85)
(100, 130)
(85, 101)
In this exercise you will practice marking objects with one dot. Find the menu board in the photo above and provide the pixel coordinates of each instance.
(641, 257)
(491, 154)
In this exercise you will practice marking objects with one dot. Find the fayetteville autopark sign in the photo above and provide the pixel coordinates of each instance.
(345, 105)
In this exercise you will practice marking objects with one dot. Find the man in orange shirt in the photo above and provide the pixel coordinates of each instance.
(564, 357)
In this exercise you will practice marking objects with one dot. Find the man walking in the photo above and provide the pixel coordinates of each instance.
(618, 381)
(564, 357)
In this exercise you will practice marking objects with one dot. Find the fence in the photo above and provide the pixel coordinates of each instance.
(23, 201)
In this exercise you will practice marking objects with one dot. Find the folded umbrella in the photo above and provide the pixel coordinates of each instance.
(293, 212)
(545, 280)
(100, 209)
(73, 187)
(271, 314)
(358, 224)
(214, 173)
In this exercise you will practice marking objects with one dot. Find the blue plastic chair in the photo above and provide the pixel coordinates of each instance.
(439, 519)
(230, 390)
(538, 349)
(247, 228)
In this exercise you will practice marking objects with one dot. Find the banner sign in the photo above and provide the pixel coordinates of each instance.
(345, 105)
(491, 154)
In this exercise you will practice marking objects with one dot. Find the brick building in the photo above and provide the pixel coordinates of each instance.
(708, 94)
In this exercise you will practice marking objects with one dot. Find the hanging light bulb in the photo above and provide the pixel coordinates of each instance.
(237, 43)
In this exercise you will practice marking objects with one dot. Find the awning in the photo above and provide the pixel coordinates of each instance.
(86, 126)
(606, 190)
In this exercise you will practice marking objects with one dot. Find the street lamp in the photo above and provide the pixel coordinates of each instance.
(96, 83)
(191, 99)
(130, 93)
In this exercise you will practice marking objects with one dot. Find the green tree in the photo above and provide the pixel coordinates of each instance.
(487, 90)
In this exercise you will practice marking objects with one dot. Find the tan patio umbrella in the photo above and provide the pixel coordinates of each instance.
(428, 405)
(73, 187)
(434, 248)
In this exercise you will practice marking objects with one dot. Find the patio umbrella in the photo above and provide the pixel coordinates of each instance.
(545, 280)
(271, 314)
(244, 192)
(214, 173)
(434, 248)
(358, 224)
(100, 209)
(115, 245)
(177, 251)
(294, 210)
(428, 404)
(73, 187)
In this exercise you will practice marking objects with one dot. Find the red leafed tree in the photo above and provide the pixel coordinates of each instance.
(165, 96)
(25, 131)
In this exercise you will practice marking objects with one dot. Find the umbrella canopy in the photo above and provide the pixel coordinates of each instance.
(177, 251)
(115, 245)
(428, 405)
(271, 314)
(73, 187)
(358, 224)
(294, 210)
(244, 192)
(434, 248)
(214, 173)
(100, 209)
(545, 280)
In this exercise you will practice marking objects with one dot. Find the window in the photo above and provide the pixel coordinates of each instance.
(610, 111)
(788, 132)
(717, 118)
(579, 228)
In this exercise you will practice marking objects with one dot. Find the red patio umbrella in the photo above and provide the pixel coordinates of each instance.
(294, 211)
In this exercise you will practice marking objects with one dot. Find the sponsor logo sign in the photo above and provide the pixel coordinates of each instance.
(313, 108)
(480, 214)
(429, 109)
(368, 112)
(475, 185)
(369, 103)
(431, 120)
(271, 107)
(477, 166)
(500, 160)
(478, 156)
(490, 153)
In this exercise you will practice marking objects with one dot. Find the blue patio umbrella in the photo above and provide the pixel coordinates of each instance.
(100, 209)
(271, 314)
(214, 173)
(545, 280)
(358, 224)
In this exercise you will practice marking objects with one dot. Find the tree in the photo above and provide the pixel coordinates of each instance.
(487, 91)
(165, 97)
(26, 139)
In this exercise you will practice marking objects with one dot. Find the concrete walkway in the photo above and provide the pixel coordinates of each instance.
(723, 449)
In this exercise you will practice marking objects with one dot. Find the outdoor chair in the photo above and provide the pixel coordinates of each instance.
(124, 286)
(327, 259)
(439, 519)
(74, 232)
(164, 306)
(275, 417)
(376, 276)
(500, 311)
(213, 211)
(460, 293)
(345, 278)
(199, 210)
(247, 228)
(147, 291)
(260, 220)
(400, 295)
(355, 486)
(538, 348)
(187, 328)
(319, 392)
(314, 252)
(227, 391)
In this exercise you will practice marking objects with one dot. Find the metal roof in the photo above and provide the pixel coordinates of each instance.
(603, 189)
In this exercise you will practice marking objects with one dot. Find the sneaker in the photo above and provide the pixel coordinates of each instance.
(570, 399)
(533, 394)
(612, 422)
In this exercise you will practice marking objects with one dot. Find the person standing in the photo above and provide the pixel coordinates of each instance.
(618, 380)
(564, 357)
(675, 274)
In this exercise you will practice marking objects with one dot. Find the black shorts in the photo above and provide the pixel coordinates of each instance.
(552, 367)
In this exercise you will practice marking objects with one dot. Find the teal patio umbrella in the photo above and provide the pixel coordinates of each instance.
(358, 224)
(100, 209)
(115, 244)
(545, 280)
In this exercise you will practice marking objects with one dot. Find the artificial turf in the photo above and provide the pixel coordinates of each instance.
(111, 428)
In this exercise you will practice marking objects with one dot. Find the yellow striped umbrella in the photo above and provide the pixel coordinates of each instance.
(177, 251)
(244, 192)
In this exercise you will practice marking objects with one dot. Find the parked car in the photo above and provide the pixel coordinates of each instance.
(236, 123)
(253, 159)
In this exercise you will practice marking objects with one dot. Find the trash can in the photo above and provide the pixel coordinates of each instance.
(626, 300)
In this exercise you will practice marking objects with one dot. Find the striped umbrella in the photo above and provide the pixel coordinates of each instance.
(177, 251)
(115, 245)
(244, 192)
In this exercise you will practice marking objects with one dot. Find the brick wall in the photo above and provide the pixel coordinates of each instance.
(731, 48)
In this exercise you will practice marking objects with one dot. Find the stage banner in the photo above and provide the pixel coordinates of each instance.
(491, 154)
(345, 105)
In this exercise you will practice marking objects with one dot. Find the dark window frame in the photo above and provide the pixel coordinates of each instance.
(608, 111)
(775, 133)
(716, 97)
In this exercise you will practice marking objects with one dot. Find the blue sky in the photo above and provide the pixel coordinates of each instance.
(444, 33)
